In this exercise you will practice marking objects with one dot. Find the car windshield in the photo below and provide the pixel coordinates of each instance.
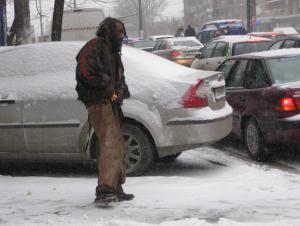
(249, 47)
(186, 43)
(285, 69)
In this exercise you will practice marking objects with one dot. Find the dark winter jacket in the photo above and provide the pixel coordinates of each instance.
(190, 31)
(99, 73)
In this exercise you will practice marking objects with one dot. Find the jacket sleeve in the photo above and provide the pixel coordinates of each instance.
(124, 88)
(90, 65)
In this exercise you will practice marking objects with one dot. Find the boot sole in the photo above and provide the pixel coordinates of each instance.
(105, 203)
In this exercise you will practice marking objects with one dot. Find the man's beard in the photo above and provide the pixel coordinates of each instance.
(116, 44)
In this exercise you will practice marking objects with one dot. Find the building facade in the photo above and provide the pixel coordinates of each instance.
(197, 12)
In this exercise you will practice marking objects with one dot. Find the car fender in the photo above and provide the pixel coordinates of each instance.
(146, 115)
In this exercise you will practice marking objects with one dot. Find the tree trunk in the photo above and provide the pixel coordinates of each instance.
(22, 21)
(58, 13)
(12, 33)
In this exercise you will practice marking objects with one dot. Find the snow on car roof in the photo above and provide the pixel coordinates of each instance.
(179, 39)
(55, 61)
(223, 21)
(239, 38)
(272, 53)
(155, 37)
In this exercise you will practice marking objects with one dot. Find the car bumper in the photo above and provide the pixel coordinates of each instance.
(184, 62)
(281, 130)
(204, 126)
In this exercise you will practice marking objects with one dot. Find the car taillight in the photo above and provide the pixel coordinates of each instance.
(196, 96)
(175, 53)
(288, 104)
(297, 102)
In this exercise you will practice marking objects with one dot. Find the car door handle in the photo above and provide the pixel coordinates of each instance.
(7, 101)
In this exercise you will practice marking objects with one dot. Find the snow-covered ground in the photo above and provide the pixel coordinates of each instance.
(203, 187)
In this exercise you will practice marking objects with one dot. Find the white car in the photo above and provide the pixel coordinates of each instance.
(223, 47)
(171, 109)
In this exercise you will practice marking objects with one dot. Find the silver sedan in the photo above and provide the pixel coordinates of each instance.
(172, 108)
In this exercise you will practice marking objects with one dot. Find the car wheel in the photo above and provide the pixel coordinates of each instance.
(170, 158)
(139, 153)
(139, 149)
(254, 141)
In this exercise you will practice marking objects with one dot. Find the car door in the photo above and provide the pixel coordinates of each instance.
(52, 116)
(11, 123)
(206, 53)
(256, 83)
(235, 92)
(218, 56)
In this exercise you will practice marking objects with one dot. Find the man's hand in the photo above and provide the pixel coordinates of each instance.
(114, 97)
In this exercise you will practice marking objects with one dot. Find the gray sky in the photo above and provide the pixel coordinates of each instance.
(174, 9)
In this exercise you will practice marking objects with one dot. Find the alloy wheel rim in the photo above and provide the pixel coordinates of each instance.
(252, 139)
(133, 151)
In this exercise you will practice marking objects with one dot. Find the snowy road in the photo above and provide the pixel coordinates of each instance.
(205, 186)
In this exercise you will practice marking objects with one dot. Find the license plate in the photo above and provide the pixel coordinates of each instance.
(219, 93)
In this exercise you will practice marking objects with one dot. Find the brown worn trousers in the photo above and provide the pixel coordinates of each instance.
(111, 156)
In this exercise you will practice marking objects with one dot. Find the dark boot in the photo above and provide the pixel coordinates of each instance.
(122, 196)
(105, 195)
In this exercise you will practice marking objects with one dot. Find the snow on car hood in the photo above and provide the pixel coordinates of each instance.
(47, 70)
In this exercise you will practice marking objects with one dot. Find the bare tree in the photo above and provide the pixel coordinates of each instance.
(58, 13)
(128, 12)
(21, 25)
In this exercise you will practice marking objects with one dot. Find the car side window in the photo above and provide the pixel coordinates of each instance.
(163, 45)
(256, 77)
(220, 50)
(289, 44)
(276, 45)
(156, 46)
(226, 66)
(297, 44)
(207, 52)
(235, 79)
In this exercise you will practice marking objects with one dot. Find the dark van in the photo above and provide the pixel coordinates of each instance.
(217, 28)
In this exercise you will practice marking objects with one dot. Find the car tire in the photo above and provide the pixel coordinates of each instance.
(140, 150)
(254, 141)
(169, 158)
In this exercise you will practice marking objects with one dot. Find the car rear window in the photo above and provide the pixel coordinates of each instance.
(141, 44)
(285, 69)
(249, 47)
(187, 43)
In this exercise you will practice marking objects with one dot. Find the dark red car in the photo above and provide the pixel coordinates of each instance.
(264, 91)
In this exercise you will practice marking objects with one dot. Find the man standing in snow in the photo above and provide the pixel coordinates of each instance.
(101, 87)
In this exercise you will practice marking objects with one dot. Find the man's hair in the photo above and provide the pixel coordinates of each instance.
(108, 27)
